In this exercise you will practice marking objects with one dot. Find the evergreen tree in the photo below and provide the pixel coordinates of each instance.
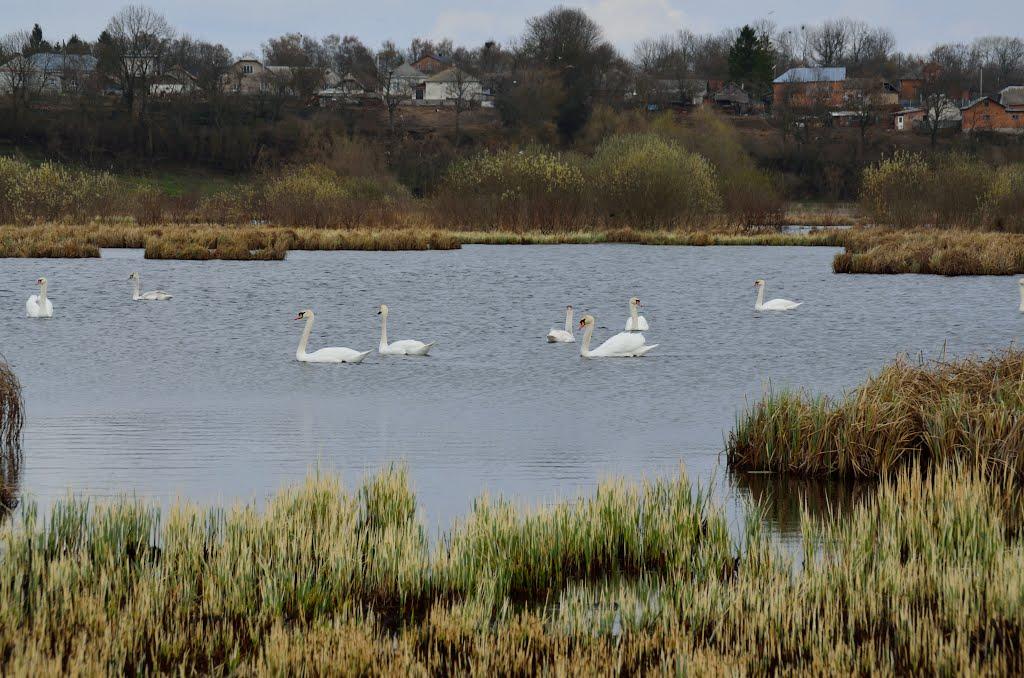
(751, 61)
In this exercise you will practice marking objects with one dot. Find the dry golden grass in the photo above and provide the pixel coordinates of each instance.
(204, 241)
(967, 411)
(925, 578)
(942, 252)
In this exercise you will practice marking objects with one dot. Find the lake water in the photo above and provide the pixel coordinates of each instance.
(201, 397)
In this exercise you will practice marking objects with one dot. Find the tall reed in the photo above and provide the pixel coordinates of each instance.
(926, 577)
(969, 411)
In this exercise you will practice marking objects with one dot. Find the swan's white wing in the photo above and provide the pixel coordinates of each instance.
(408, 347)
(623, 343)
(780, 305)
(336, 354)
(155, 295)
(641, 324)
(560, 336)
(34, 310)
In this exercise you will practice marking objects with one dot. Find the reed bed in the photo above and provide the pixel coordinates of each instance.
(918, 413)
(926, 578)
(12, 418)
(205, 241)
(941, 252)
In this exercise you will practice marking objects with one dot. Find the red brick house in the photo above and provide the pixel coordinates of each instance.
(431, 64)
(808, 88)
(990, 115)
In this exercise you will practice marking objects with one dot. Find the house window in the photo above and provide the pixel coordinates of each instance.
(247, 69)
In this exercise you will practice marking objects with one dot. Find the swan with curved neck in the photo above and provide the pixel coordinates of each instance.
(557, 336)
(635, 322)
(38, 305)
(774, 304)
(155, 295)
(1021, 309)
(622, 345)
(401, 347)
(333, 354)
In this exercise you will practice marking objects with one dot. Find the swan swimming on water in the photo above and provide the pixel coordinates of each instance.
(401, 347)
(1021, 309)
(333, 354)
(774, 304)
(622, 345)
(38, 306)
(636, 323)
(556, 336)
(155, 295)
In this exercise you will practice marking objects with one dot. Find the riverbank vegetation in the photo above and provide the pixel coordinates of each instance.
(12, 418)
(916, 414)
(925, 577)
(951, 251)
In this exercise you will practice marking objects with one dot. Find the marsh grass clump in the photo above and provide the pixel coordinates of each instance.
(237, 244)
(930, 251)
(925, 577)
(968, 411)
(44, 242)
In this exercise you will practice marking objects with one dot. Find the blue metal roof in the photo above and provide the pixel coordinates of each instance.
(829, 74)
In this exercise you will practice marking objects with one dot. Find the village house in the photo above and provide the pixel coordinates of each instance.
(406, 82)
(48, 72)
(176, 81)
(450, 85)
(733, 98)
(1004, 114)
(912, 119)
(251, 76)
(432, 64)
(810, 88)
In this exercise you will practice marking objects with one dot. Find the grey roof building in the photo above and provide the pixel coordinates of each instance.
(812, 74)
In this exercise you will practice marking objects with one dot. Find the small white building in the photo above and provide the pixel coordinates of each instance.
(452, 84)
(405, 82)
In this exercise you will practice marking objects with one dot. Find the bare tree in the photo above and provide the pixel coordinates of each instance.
(462, 89)
(829, 42)
(18, 76)
(136, 40)
(392, 87)
(1002, 59)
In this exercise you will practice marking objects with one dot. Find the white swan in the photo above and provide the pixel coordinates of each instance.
(401, 347)
(622, 345)
(334, 354)
(155, 295)
(556, 336)
(774, 304)
(1021, 309)
(635, 323)
(38, 306)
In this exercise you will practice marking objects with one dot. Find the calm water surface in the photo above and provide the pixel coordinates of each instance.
(201, 397)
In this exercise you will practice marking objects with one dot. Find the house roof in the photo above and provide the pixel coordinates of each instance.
(797, 75)
(1012, 96)
(407, 71)
(451, 75)
(974, 102)
(435, 57)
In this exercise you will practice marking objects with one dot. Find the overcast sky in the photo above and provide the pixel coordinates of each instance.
(243, 25)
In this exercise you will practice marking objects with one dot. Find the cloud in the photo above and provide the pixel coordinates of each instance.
(627, 21)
